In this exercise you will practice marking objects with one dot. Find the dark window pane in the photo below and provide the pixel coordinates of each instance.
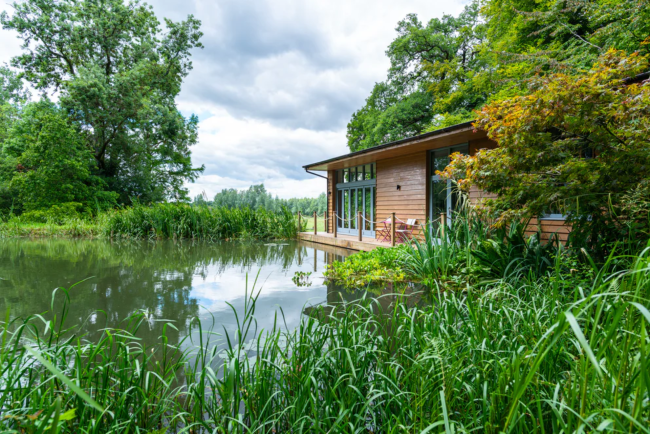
(438, 200)
(360, 173)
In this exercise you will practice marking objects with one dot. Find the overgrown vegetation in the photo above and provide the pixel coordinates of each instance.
(574, 359)
(442, 70)
(184, 221)
(159, 221)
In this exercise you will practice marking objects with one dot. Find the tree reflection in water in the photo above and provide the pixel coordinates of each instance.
(174, 281)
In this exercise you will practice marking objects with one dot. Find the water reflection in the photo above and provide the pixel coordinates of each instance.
(174, 281)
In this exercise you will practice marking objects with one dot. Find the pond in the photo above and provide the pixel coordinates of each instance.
(173, 281)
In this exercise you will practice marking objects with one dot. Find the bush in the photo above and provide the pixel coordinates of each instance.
(57, 214)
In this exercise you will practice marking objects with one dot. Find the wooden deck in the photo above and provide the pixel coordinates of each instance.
(343, 241)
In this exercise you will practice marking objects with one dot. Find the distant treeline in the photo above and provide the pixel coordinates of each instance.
(257, 197)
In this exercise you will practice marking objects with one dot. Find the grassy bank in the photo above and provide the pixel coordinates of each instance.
(555, 354)
(162, 221)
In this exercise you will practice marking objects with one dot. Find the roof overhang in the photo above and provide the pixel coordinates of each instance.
(441, 138)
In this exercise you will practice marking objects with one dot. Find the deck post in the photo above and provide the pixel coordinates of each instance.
(359, 221)
(392, 229)
(336, 223)
(315, 223)
(298, 221)
(443, 223)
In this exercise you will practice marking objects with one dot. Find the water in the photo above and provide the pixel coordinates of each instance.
(173, 281)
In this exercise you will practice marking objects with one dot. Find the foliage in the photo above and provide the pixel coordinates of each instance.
(431, 77)
(576, 145)
(510, 253)
(442, 71)
(52, 165)
(435, 258)
(118, 76)
(571, 362)
(174, 220)
(368, 269)
(257, 197)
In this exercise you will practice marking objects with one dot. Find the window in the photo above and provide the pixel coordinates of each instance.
(365, 172)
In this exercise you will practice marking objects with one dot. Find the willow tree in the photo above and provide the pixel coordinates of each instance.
(118, 73)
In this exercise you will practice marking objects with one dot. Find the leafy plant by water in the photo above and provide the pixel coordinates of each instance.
(513, 356)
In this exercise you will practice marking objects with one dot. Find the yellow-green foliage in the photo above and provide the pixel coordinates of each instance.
(363, 269)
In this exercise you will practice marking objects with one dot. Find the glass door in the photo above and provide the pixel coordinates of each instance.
(442, 197)
(356, 194)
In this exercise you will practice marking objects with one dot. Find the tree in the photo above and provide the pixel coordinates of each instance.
(434, 74)
(118, 75)
(51, 165)
(577, 144)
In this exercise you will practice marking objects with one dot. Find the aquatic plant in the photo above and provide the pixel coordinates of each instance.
(514, 356)
(171, 220)
(368, 269)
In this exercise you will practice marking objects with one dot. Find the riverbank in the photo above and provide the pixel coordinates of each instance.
(161, 221)
(520, 356)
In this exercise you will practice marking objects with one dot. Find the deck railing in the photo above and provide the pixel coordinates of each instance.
(394, 221)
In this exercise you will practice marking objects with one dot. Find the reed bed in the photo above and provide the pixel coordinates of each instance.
(519, 356)
(184, 221)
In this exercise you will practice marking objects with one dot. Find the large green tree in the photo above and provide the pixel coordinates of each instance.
(118, 74)
(47, 163)
(433, 79)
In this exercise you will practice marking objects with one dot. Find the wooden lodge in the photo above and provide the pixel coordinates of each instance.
(366, 187)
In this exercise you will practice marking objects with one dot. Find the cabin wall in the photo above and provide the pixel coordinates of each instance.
(411, 201)
(331, 203)
(410, 173)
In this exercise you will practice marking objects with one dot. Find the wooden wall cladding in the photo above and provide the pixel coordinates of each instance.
(410, 201)
(331, 203)
(550, 227)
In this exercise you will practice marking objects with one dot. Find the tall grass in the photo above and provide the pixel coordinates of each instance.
(545, 356)
(184, 221)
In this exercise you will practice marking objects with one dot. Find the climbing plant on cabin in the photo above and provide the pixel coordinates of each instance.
(575, 145)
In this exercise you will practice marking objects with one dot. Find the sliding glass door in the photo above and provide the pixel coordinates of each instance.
(443, 198)
(356, 193)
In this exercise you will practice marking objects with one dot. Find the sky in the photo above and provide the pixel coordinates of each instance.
(278, 81)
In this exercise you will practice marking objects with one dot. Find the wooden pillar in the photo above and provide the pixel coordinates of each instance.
(392, 229)
(443, 223)
(299, 215)
(335, 224)
(315, 223)
(359, 221)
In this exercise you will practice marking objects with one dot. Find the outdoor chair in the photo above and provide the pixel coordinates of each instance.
(405, 232)
(383, 234)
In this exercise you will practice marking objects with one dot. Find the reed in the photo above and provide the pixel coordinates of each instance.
(515, 356)
(161, 221)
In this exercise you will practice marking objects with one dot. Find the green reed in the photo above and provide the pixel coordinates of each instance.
(547, 356)
(185, 221)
